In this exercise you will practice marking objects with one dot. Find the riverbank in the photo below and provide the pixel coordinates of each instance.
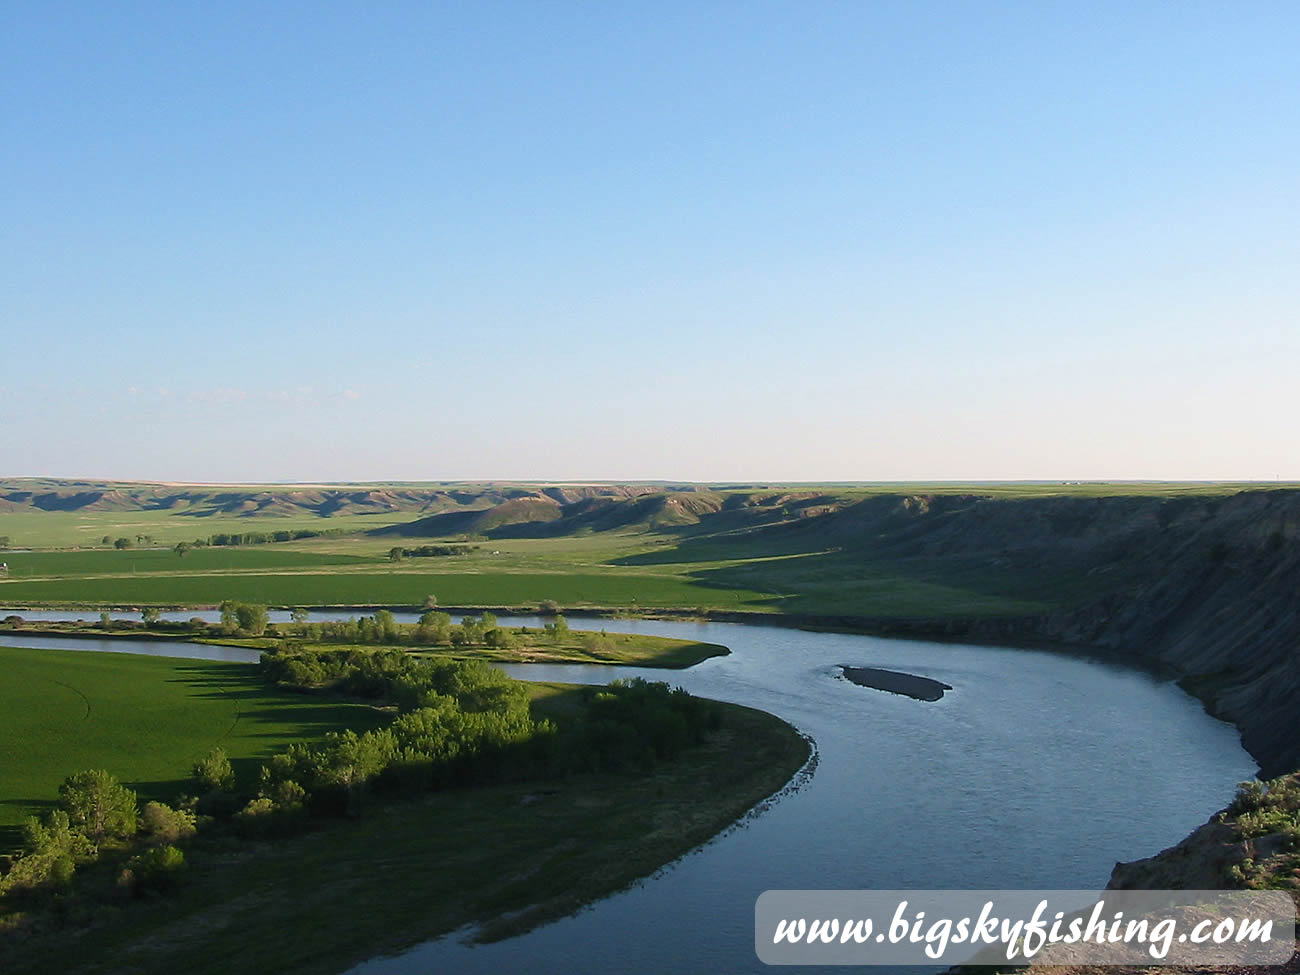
(573, 647)
(505, 858)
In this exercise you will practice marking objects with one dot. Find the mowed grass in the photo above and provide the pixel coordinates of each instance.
(610, 588)
(145, 719)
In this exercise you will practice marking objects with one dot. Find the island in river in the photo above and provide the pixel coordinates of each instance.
(896, 682)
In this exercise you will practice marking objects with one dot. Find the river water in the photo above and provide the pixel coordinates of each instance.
(1037, 770)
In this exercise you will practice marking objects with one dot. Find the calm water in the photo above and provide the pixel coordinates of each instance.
(1037, 770)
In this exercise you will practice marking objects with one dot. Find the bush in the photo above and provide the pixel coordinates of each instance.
(162, 824)
(213, 773)
(157, 869)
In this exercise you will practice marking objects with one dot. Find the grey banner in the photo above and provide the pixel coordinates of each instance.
(1036, 927)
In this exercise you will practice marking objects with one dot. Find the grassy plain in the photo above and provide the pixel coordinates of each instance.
(145, 719)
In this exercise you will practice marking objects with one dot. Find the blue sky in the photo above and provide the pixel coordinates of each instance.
(697, 241)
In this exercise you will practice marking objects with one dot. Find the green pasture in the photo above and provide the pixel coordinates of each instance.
(611, 588)
(34, 528)
(145, 719)
(26, 565)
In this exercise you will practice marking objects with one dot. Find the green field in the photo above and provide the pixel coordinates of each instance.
(35, 528)
(611, 588)
(145, 719)
(29, 565)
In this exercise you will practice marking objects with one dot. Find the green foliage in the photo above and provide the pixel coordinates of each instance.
(245, 619)
(557, 629)
(97, 803)
(635, 724)
(214, 773)
(157, 869)
(122, 543)
(53, 851)
(252, 618)
(150, 616)
(162, 824)
(1267, 808)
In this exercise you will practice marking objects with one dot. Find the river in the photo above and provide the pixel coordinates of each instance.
(1037, 770)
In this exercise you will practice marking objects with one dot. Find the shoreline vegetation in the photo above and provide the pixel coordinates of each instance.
(473, 639)
(470, 801)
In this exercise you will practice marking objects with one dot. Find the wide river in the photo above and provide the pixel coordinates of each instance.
(1037, 770)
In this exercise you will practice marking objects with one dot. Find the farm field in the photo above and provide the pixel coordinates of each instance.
(145, 719)
(612, 588)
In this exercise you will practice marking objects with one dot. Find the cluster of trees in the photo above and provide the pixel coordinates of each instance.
(433, 629)
(636, 723)
(245, 619)
(381, 628)
(397, 552)
(263, 538)
(461, 723)
(235, 538)
(99, 830)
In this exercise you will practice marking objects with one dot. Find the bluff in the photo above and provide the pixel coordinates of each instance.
(1206, 586)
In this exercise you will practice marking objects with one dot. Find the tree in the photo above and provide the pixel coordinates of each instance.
(431, 601)
(386, 625)
(298, 615)
(396, 553)
(150, 615)
(122, 543)
(252, 619)
(557, 630)
(105, 620)
(106, 540)
(181, 548)
(214, 774)
(95, 801)
(4, 541)
(229, 619)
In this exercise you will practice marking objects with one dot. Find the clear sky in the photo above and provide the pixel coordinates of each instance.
(695, 241)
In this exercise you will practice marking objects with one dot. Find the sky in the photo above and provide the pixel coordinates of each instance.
(698, 241)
